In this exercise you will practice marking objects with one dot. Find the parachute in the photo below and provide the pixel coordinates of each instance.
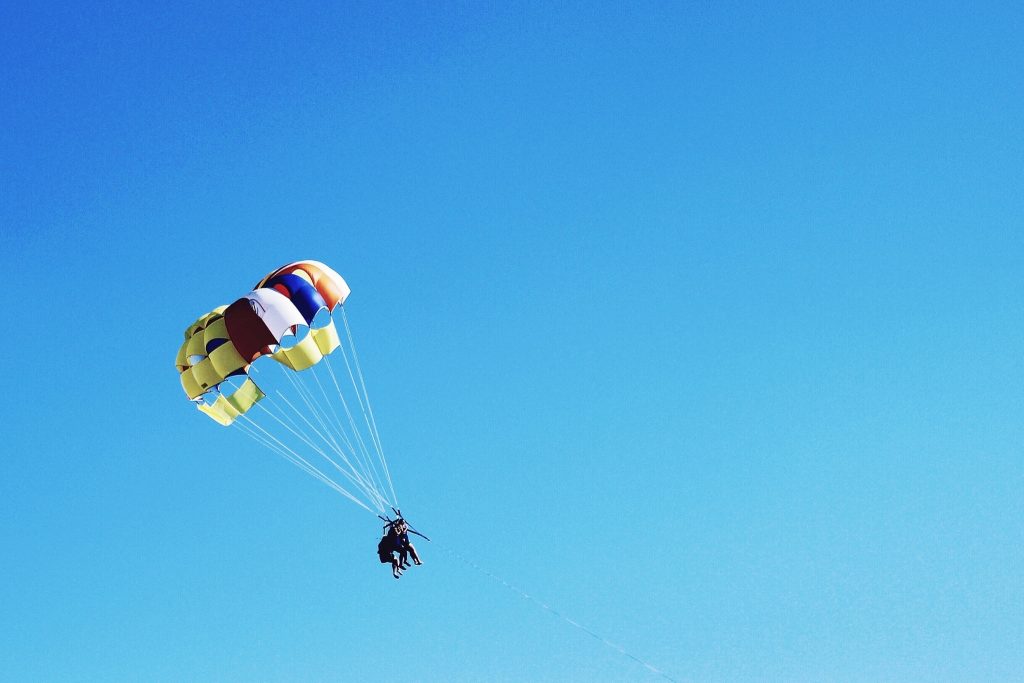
(308, 416)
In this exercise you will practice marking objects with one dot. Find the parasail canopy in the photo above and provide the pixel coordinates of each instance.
(290, 317)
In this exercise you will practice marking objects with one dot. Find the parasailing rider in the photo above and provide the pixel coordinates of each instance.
(405, 546)
(386, 549)
(396, 540)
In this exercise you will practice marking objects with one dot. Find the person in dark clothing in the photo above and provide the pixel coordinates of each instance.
(405, 546)
(386, 549)
(396, 540)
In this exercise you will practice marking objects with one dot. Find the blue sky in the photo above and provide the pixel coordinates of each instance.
(701, 323)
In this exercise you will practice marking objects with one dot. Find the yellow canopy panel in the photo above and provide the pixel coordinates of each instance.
(227, 408)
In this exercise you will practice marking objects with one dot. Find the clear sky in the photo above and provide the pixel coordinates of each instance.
(701, 322)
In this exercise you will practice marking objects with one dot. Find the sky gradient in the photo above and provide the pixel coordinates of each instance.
(701, 323)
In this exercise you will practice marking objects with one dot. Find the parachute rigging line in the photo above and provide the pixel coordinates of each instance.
(365, 464)
(328, 438)
(295, 459)
(359, 455)
(373, 430)
(306, 440)
(365, 483)
(367, 461)
(299, 461)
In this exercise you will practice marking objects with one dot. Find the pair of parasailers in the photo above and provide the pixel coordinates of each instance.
(396, 540)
